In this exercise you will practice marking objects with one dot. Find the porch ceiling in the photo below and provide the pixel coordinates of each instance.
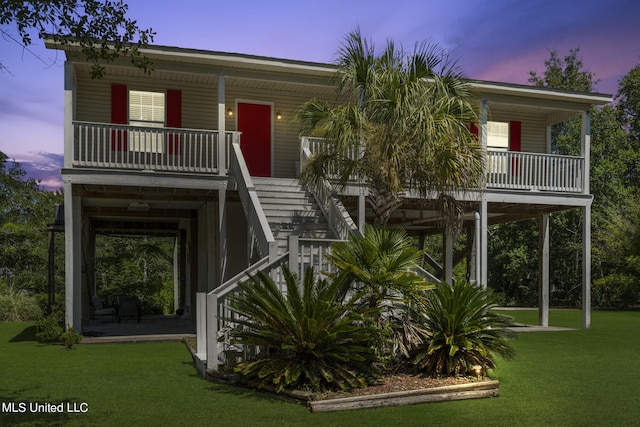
(423, 217)
(117, 209)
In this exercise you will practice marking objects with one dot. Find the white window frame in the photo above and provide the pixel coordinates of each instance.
(147, 110)
(498, 141)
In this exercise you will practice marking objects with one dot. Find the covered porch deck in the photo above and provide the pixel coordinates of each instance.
(150, 328)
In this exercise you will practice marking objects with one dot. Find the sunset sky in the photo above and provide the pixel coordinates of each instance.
(498, 40)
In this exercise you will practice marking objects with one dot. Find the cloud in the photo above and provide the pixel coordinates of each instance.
(44, 167)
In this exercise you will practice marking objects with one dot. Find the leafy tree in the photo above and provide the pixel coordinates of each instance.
(462, 331)
(619, 256)
(100, 27)
(312, 336)
(25, 211)
(628, 107)
(409, 123)
(136, 265)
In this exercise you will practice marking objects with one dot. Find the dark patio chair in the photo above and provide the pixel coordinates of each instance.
(128, 306)
(101, 310)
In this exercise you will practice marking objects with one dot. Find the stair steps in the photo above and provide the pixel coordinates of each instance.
(290, 209)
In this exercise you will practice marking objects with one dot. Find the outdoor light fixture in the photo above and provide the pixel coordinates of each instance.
(278, 116)
(478, 371)
(229, 112)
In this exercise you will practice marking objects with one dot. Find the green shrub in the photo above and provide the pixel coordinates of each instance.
(48, 329)
(463, 331)
(70, 338)
(17, 305)
(311, 339)
(618, 291)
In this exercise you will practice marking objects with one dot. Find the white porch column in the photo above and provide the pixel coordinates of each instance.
(447, 242)
(222, 145)
(484, 243)
(73, 258)
(586, 267)
(483, 246)
(212, 331)
(176, 275)
(221, 259)
(585, 149)
(69, 113)
(543, 270)
(476, 248)
(361, 211)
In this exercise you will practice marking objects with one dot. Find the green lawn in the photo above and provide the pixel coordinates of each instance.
(574, 378)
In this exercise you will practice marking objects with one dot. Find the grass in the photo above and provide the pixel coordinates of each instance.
(569, 378)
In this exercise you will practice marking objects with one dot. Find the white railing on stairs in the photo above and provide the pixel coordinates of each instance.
(259, 230)
(218, 321)
(337, 216)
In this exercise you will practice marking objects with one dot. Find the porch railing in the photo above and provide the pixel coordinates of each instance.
(506, 169)
(537, 172)
(103, 145)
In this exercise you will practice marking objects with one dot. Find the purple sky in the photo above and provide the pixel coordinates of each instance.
(499, 40)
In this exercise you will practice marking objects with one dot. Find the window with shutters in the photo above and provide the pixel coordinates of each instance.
(498, 140)
(147, 110)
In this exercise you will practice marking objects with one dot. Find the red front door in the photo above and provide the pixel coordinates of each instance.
(254, 121)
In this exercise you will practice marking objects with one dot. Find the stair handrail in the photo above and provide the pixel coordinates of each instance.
(258, 225)
(337, 216)
(218, 312)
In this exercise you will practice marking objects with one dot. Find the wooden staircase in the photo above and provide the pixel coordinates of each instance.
(290, 209)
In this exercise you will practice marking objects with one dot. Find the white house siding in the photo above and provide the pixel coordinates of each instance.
(199, 101)
(534, 129)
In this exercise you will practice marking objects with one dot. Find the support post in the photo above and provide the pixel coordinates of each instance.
(361, 211)
(201, 324)
(212, 332)
(294, 246)
(477, 247)
(222, 117)
(176, 275)
(585, 149)
(448, 256)
(69, 95)
(543, 270)
(73, 258)
(586, 267)
(484, 243)
(222, 236)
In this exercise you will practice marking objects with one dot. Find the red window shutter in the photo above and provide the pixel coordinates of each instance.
(515, 142)
(174, 120)
(474, 129)
(515, 136)
(119, 116)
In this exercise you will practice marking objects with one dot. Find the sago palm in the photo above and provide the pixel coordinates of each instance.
(462, 331)
(310, 337)
(407, 123)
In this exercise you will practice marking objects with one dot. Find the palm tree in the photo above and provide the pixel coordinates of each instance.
(377, 268)
(409, 121)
